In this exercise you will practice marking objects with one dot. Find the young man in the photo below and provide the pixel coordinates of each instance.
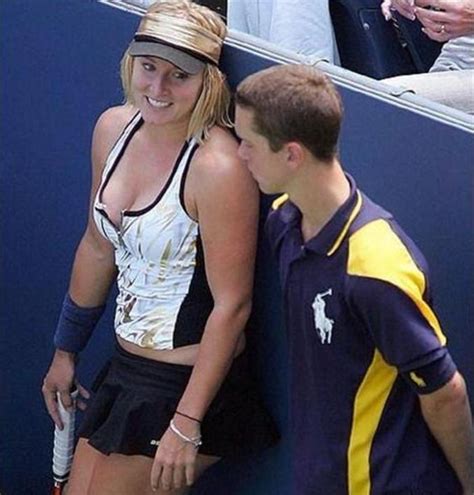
(377, 405)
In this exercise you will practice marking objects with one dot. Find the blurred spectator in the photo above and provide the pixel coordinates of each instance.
(302, 26)
(450, 80)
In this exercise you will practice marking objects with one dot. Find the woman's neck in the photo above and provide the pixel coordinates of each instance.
(168, 133)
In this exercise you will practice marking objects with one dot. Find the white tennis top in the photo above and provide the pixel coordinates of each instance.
(163, 300)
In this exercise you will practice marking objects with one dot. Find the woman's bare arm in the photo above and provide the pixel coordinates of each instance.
(226, 202)
(93, 269)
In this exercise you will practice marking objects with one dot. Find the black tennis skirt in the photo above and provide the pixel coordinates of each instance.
(135, 399)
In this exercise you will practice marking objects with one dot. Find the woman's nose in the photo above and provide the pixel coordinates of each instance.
(159, 85)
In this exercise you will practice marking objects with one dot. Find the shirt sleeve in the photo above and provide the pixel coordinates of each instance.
(407, 337)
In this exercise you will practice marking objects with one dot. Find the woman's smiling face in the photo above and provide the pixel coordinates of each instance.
(162, 92)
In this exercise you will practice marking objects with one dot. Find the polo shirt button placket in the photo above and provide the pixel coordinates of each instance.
(303, 251)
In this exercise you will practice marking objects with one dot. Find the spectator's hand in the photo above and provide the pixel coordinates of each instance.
(60, 378)
(404, 7)
(456, 18)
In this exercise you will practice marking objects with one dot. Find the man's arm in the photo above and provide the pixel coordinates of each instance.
(448, 415)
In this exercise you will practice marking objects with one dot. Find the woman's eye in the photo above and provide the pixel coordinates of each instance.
(148, 67)
(180, 75)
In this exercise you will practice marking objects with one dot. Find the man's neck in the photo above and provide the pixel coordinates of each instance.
(318, 192)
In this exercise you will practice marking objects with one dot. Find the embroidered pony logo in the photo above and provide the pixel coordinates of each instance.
(321, 321)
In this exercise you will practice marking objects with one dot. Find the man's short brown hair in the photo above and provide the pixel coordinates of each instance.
(294, 103)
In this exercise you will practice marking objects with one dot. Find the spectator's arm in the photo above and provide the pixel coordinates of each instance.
(455, 18)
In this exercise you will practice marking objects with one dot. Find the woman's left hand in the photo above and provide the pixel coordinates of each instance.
(174, 465)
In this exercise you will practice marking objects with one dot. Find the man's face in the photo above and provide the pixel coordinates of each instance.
(267, 167)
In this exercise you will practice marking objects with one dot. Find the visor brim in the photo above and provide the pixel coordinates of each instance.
(177, 57)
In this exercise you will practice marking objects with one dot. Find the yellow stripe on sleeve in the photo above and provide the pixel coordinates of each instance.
(417, 379)
(376, 251)
(368, 407)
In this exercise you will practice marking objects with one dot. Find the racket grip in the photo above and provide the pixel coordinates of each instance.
(64, 441)
(57, 488)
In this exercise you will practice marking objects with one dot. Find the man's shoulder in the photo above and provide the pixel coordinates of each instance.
(379, 249)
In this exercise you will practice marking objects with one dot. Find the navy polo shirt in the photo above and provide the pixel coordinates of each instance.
(363, 343)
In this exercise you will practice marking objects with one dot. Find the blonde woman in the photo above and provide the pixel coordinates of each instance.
(173, 219)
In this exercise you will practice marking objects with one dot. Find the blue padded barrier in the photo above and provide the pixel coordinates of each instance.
(62, 59)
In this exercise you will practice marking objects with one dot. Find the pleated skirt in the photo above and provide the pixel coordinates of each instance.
(135, 398)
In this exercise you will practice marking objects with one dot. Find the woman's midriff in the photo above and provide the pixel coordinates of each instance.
(186, 355)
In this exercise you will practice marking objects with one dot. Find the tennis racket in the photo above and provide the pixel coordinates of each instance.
(63, 449)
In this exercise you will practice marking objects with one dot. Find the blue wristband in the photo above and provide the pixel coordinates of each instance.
(75, 325)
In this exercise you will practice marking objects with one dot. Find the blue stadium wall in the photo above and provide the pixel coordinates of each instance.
(59, 72)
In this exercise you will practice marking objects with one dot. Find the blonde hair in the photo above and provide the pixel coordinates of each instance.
(212, 105)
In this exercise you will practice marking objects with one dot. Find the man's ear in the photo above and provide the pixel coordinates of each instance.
(295, 154)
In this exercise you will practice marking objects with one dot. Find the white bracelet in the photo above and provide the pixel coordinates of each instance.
(196, 441)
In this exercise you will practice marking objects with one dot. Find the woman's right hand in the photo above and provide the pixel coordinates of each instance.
(174, 466)
(61, 378)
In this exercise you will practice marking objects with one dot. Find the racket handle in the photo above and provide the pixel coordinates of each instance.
(58, 488)
(64, 442)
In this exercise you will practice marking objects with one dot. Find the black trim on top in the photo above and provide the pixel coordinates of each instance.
(183, 180)
(125, 130)
(100, 211)
(136, 213)
(152, 39)
(196, 306)
(137, 126)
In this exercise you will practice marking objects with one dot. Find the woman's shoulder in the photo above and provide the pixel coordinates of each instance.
(219, 149)
(220, 137)
(109, 126)
(217, 165)
(113, 120)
